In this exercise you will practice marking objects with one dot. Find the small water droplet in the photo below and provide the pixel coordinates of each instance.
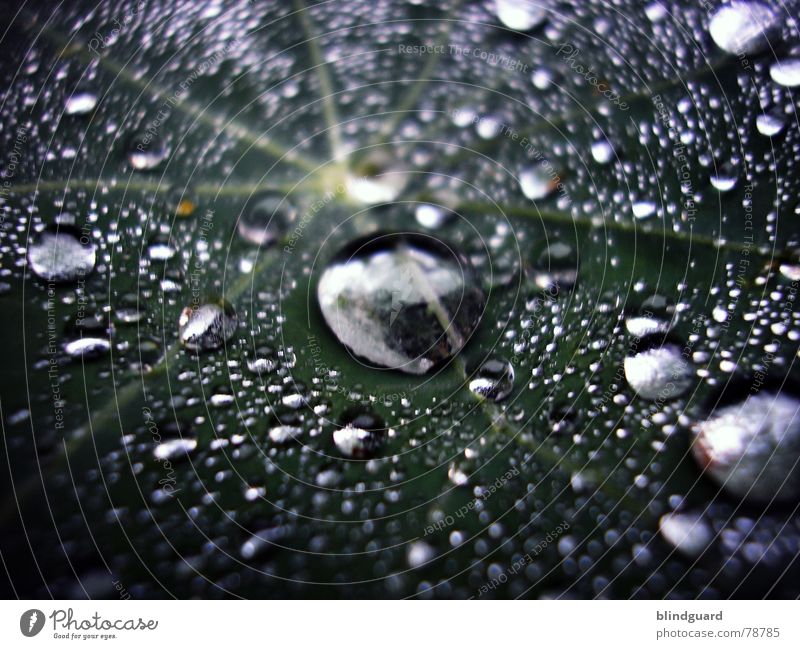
(493, 380)
(752, 448)
(146, 153)
(80, 103)
(520, 16)
(770, 124)
(361, 436)
(207, 326)
(174, 448)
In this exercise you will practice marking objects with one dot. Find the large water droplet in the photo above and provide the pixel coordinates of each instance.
(770, 124)
(743, 27)
(687, 532)
(659, 373)
(401, 301)
(536, 183)
(752, 448)
(493, 380)
(206, 327)
(60, 254)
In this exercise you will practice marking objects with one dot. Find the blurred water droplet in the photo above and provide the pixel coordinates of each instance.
(786, 73)
(361, 436)
(61, 254)
(146, 153)
(535, 183)
(174, 448)
(87, 347)
(268, 220)
(80, 103)
(770, 124)
(752, 448)
(520, 16)
(743, 27)
(687, 532)
(659, 373)
(432, 216)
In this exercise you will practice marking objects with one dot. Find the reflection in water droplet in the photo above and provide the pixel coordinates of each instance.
(743, 27)
(61, 255)
(80, 103)
(752, 448)
(494, 380)
(658, 374)
(402, 301)
(786, 73)
(268, 220)
(207, 326)
(520, 16)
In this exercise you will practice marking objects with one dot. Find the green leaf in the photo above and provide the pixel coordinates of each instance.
(605, 175)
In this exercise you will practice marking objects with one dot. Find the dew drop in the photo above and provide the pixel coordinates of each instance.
(743, 27)
(520, 16)
(535, 183)
(88, 347)
(58, 255)
(207, 326)
(687, 532)
(145, 153)
(752, 448)
(81, 103)
(770, 124)
(174, 448)
(786, 73)
(361, 436)
(658, 373)
(493, 380)
(602, 151)
(432, 216)
(267, 221)
(405, 301)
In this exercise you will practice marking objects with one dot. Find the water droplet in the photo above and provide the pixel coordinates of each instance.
(556, 268)
(377, 179)
(641, 326)
(87, 348)
(520, 16)
(207, 326)
(145, 153)
(283, 434)
(174, 448)
(494, 380)
(660, 373)
(687, 532)
(419, 553)
(786, 73)
(752, 448)
(361, 436)
(743, 27)
(643, 209)
(432, 216)
(80, 103)
(267, 221)
(770, 124)
(724, 178)
(401, 301)
(602, 151)
(61, 254)
(535, 183)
